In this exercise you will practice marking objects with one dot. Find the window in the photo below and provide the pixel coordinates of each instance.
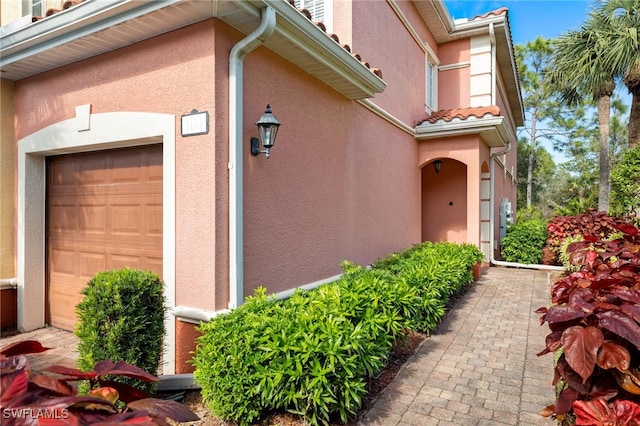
(32, 7)
(431, 85)
(321, 11)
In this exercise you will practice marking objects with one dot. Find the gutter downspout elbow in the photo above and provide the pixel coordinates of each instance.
(236, 230)
(492, 259)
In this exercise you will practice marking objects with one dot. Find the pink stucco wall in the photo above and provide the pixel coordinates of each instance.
(339, 184)
(342, 183)
(382, 40)
(157, 75)
(444, 202)
(454, 83)
(512, 156)
(465, 154)
(336, 187)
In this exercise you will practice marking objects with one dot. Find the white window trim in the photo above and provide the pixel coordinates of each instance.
(431, 62)
(27, 7)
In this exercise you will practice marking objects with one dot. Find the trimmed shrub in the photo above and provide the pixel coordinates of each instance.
(313, 353)
(524, 241)
(121, 318)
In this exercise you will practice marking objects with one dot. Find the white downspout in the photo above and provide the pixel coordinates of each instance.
(236, 237)
(492, 222)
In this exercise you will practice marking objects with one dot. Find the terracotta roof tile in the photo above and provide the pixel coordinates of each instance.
(448, 115)
(335, 38)
(49, 12)
(497, 12)
(305, 12)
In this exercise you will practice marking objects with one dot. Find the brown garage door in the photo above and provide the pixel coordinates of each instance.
(104, 211)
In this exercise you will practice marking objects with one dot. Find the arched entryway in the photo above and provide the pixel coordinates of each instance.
(444, 201)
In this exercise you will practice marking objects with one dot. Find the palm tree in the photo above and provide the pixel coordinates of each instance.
(578, 70)
(620, 20)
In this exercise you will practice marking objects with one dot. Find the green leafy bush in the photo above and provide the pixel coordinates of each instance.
(524, 242)
(313, 353)
(121, 318)
(625, 183)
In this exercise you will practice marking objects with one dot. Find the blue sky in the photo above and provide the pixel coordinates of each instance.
(528, 18)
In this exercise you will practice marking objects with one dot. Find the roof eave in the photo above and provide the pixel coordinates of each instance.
(334, 65)
(445, 29)
(30, 50)
(493, 130)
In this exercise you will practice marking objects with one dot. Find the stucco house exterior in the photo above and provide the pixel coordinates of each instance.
(126, 130)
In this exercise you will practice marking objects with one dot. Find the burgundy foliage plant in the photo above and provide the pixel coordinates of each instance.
(595, 224)
(30, 398)
(594, 319)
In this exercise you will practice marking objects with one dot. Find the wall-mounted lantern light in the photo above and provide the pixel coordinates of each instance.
(437, 166)
(267, 129)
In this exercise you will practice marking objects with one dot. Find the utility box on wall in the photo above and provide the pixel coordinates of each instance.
(506, 217)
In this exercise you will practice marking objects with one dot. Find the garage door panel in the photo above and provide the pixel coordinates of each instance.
(154, 220)
(90, 262)
(64, 310)
(119, 261)
(64, 215)
(64, 175)
(92, 218)
(125, 219)
(63, 262)
(92, 170)
(104, 212)
(125, 167)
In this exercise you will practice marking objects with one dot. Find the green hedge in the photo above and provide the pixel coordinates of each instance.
(313, 353)
(524, 242)
(121, 318)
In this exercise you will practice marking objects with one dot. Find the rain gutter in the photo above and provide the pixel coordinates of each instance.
(236, 229)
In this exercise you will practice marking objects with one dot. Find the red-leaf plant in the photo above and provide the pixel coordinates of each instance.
(594, 318)
(31, 398)
(593, 224)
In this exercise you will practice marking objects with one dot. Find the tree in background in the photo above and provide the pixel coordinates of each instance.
(588, 62)
(574, 187)
(619, 28)
(578, 72)
(532, 60)
(543, 172)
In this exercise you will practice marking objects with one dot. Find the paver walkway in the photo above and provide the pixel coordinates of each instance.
(63, 344)
(480, 367)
